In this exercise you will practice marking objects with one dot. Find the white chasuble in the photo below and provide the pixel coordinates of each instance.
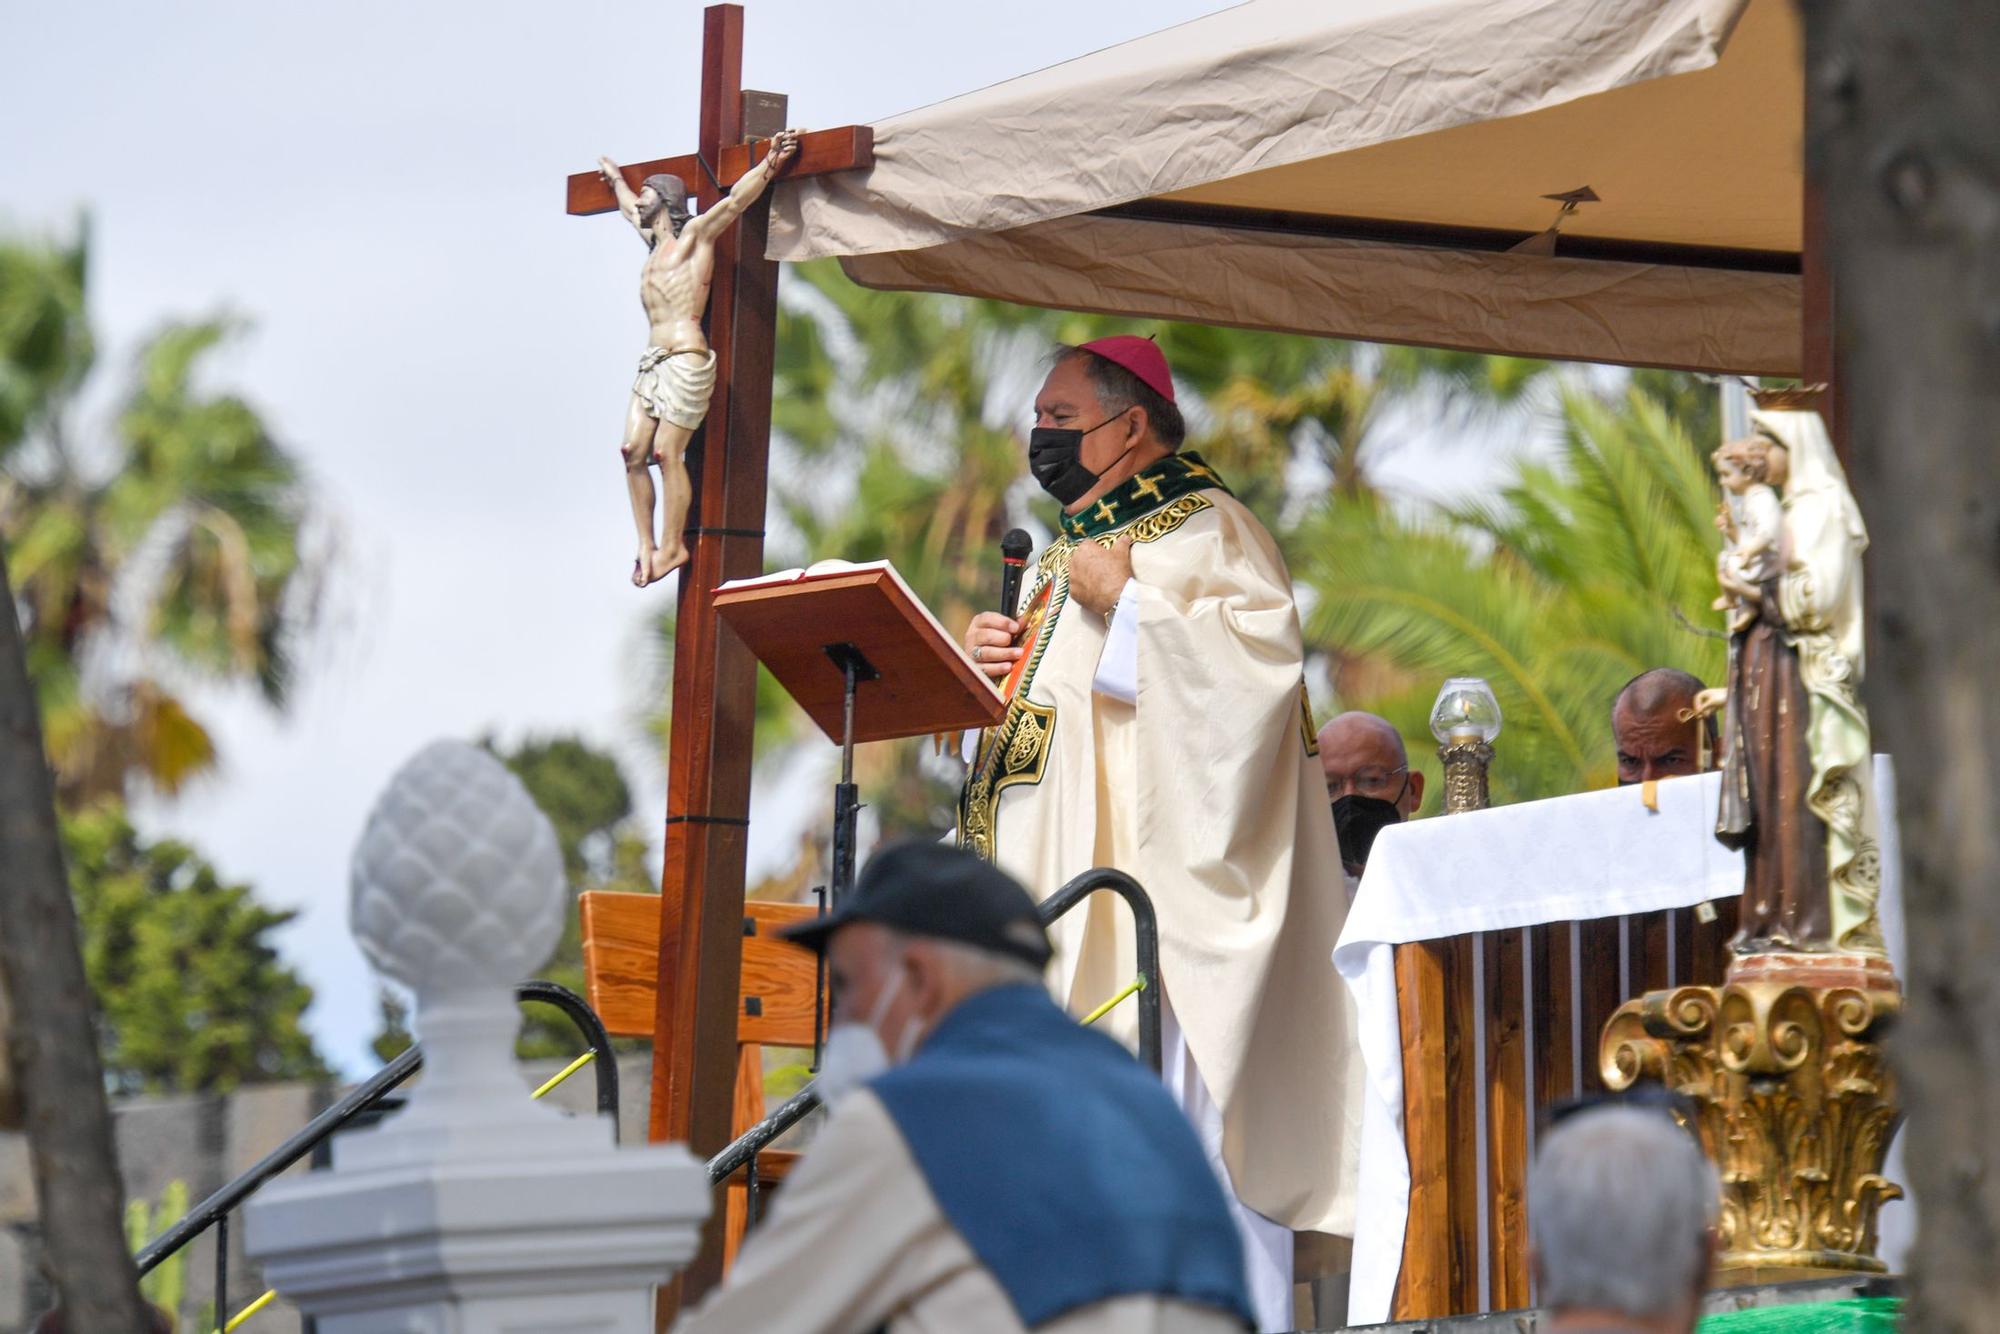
(1207, 791)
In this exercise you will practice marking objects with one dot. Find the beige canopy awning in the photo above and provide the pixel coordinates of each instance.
(1364, 170)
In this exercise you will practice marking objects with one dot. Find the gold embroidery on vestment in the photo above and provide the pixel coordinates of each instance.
(1017, 751)
(1152, 527)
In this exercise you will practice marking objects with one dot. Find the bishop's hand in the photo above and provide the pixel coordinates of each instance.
(1097, 575)
(989, 642)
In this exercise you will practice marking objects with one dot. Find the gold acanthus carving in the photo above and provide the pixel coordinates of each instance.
(1794, 1101)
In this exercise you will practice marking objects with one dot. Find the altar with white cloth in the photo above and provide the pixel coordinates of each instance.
(1588, 856)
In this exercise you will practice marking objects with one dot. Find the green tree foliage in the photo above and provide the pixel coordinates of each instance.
(166, 1286)
(1580, 575)
(1273, 401)
(161, 552)
(191, 993)
(586, 798)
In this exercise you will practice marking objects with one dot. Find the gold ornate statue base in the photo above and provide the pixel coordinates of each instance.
(1785, 1079)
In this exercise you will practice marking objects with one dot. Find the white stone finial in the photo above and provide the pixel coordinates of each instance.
(475, 1209)
(457, 894)
(458, 880)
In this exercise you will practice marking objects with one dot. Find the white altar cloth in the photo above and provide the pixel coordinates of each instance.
(1595, 854)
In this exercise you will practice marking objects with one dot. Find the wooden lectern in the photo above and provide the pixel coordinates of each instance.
(865, 658)
(803, 624)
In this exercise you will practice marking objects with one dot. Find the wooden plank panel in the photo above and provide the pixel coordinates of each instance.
(1681, 931)
(843, 149)
(1462, 1037)
(1554, 1011)
(778, 978)
(1649, 952)
(1601, 991)
(621, 959)
(1423, 1287)
(1711, 943)
(1507, 1112)
(621, 951)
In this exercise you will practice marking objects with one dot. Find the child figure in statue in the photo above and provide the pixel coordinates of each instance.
(1752, 519)
(1797, 790)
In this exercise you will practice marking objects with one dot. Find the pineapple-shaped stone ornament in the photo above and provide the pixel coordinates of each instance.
(457, 879)
(457, 893)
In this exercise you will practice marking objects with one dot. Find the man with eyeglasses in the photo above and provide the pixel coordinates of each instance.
(1368, 780)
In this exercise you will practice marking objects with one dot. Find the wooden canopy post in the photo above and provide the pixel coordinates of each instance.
(714, 690)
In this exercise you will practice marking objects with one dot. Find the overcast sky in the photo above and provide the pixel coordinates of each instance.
(378, 187)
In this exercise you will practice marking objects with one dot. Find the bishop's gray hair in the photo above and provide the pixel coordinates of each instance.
(1620, 1204)
(1119, 390)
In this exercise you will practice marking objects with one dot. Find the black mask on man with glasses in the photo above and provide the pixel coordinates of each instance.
(1369, 782)
(1358, 818)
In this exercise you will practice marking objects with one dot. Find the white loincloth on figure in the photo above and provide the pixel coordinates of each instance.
(675, 385)
(1267, 1246)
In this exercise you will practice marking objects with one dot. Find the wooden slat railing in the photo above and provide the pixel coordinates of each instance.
(1497, 1028)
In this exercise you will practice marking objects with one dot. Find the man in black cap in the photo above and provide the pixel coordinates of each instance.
(988, 1165)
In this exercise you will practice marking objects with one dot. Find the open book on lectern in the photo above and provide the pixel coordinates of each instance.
(802, 624)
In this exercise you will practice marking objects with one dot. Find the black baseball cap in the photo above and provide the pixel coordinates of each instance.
(933, 889)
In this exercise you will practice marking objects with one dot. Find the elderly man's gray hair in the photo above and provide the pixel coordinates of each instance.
(1619, 1207)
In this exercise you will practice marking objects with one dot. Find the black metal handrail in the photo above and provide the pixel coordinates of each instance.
(743, 1150)
(1145, 941)
(215, 1210)
(758, 1137)
(594, 1035)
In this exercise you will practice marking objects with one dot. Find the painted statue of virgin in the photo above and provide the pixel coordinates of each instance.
(1797, 796)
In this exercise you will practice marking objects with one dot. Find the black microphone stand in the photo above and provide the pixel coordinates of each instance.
(854, 669)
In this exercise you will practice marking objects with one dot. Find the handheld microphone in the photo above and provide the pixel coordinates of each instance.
(1014, 549)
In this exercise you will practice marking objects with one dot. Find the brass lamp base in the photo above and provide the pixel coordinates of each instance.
(1465, 765)
(1789, 1089)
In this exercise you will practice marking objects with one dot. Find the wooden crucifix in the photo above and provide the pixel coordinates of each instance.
(708, 767)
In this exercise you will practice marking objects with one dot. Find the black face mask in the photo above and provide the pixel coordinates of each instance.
(1055, 457)
(1357, 820)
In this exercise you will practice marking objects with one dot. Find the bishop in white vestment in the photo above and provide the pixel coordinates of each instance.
(1158, 723)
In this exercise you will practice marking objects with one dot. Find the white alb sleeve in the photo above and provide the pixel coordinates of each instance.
(1118, 661)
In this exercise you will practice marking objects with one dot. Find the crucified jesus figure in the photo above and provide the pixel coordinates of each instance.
(677, 374)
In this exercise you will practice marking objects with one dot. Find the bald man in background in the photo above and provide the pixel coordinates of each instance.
(1654, 728)
(1368, 780)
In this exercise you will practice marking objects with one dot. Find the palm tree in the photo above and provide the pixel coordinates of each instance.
(1579, 576)
(1273, 399)
(163, 555)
